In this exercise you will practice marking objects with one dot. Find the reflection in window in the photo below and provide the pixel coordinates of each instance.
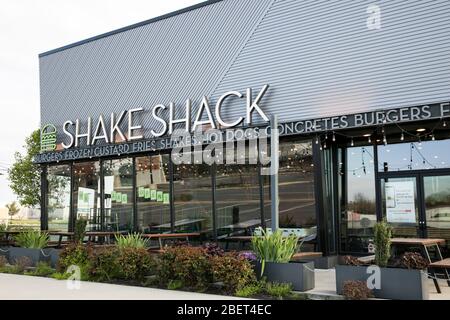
(193, 198)
(437, 207)
(86, 193)
(153, 187)
(296, 186)
(414, 156)
(238, 207)
(118, 186)
(358, 210)
(58, 197)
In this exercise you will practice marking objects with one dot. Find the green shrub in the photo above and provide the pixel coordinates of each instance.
(134, 240)
(80, 230)
(382, 240)
(32, 239)
(249, 291)
(11, 270)
(279, 290)
(104, 265)
(235, 272)
(274, 247)
(60, 275)
(42, 269)
(134, 263)
(188, 264)
(78, 255)
(175, 284)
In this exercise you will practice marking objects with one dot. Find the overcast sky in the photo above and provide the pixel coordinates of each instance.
(30, 27)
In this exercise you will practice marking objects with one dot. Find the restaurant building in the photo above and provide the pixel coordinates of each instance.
(361, 91)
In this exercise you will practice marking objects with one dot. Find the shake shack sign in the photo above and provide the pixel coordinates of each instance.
(100, 145)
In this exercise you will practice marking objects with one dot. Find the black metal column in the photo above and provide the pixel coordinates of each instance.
(213, 190)
(135, 198)
(171, 195)
(43, 198)
(318, 193)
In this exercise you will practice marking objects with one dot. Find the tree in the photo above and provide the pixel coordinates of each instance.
(24, 175)
(13, 209)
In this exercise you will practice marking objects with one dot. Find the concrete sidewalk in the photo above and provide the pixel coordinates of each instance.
(17, 287)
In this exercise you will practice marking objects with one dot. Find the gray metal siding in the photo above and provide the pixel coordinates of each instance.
(318, 57)
(321, 59)
(166, 61)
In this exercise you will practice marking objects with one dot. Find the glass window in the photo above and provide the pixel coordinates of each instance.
(58, 197)
(358, 210)
(193, 198)
(296, 186)
(86, 193)
(118, 187)
(152, 179)
(238, 207)
(414, 156)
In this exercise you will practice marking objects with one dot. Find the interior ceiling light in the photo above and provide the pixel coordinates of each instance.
(367, 135)
(421, 130)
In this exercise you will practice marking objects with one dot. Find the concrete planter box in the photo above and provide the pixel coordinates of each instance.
(395, 283)
(35, 255)
(4, 251)
(300, 274)
(52, 256)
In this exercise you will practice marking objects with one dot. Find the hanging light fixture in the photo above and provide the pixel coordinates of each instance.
(317, 140)
(384, 140)
(444, 124)
(369, 139)
(402, 137)
(352, 143)
(334, 137)
(432, 137)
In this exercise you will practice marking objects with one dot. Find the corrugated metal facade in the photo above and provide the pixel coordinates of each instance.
(319, 58)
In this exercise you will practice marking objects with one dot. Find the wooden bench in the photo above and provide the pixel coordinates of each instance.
(440, 264)
(306, 255)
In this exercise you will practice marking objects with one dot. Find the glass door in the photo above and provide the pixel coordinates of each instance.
(437, 206)
(401, 207)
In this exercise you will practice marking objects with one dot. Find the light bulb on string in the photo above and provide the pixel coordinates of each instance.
(444, 124)
(334, 137)
(433, 137)
(384, 140)
(369, 139)
(352, 143)
(402, 137)
(317, 140)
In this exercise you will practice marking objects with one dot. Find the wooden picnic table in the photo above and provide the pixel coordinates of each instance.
(164, 236)
(103, 235)
(61, 235)
(424, 245)
(7, 233)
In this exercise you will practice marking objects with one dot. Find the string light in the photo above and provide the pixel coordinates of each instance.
(334, 137)
(369, 139)
(402, 137)
(384, 140)
(432, 137)
(317, 140)
(352, 143)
